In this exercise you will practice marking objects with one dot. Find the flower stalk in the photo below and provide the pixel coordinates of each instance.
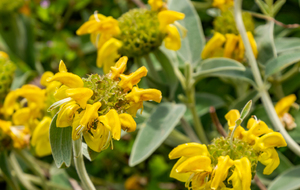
(80, 167)
(265, 97)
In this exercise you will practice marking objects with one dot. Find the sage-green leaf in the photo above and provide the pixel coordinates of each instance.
(281, 62)
(60, 177)
(287, 44)
(263, 7)
(277, 6)
(289, 180)
(156, 129)
(192, 45)
(218, 64)
(61, 144)
(89, 153)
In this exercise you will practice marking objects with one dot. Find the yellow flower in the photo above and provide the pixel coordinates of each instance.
(66, 114)
(223, 4)
(112, 122)
(230, 45)
(3, 55)
(172, 40)
(18, 135)
(156, 5)
(195, 166)
(270, 159)
(128, 81)
(119, 67)
(80, 95)
(168, 17)
(127, 122)
(40, 138)
(139, 94)
(215, 42)
(108, 53)
(282, 108)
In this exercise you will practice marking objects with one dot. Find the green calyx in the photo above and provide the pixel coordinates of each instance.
(108, 92)
(7, 70)
(225, 23)
(221, 147)
(140, 32)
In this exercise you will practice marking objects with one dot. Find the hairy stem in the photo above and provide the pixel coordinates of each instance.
(80, 167)
(265, 97)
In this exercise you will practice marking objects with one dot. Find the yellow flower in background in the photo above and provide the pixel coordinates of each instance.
(101, 106)
(282, 108)
(230, 45)
(223, 4)
(135, 34)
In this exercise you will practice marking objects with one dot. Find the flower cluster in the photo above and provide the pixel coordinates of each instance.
(134, 34)
(25, 115)
(282, 108)
(98, 107)
(228, 163)
(226, 41)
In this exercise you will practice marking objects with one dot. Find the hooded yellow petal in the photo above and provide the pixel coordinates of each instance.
(76, 127)
(252, 43)
(127, 122)
(256, 129)
(221, 171)
(91, 113)
(134, 107)
(9, 103)
(21, 116)
(284, 104)
(183, 177)
(270, 159)
(69, 79)
(232, 116)
(189, 150)
(119, 67)
(214, 43)
(66, 114)
(44, 77)
(241, 177)
(139, 94)
(270, 140)
(32, 93)
(195, 164)
(80, 95)
(230, 45)
(109, 51)
(167, 17)
(172, 40)
(86, 27)
(111, 121)
(43, 148)
(128, 81)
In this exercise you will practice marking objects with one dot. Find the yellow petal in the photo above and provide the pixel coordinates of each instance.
(167, 17)
(270, 159)
(139, 94)
(21, 116)
(69, 79)
(3, 55)
(62, 67)
(111, 121)
(232, 116)
(91, 113)
(256, 129)
(119, 67)
(215, 42)
(284, 104)
(189, 150)
(80, 95)
(252, 43)
(128, 81)
(43, 148)
(134, 107)
(239, 132)
(179, 176)
(9, 103)
(224, 163)
(241, 177)
(270, 140)
(41, 131)
(172, 40)
(241, 49)
(199, 181)
(85, 28)
(195, 164)
(156, 4)
(32, 93)
(76, 128)
(230, 45)
(97, 139)
(44, 77)
(127, 122)
(61, 93)
(109, 50)
(66, 114)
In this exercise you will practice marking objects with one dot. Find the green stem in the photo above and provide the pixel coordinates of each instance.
(265, 97)
(30, 162)
(38, 181)
(6, 171)
(19, 173)
(80, 167)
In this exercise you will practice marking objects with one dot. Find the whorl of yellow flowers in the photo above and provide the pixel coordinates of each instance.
(98, 107)
(25, 114)
(221, 165)
(134, 34)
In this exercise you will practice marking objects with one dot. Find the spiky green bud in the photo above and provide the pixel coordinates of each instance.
(140, 32)
(7, 70)
(225, 23)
